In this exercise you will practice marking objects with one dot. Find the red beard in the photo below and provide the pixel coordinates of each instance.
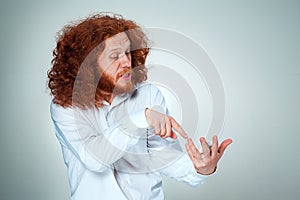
(110, 85)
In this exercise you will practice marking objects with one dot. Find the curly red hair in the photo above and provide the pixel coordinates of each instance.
(78, 45)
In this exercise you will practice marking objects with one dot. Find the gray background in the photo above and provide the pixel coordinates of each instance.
(255, 46)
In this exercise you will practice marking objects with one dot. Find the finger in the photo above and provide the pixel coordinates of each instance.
(205, 147)
(176, 126)
(190, 153)
(157, 129)
(214, 147)
(173, 135)
(190, 145)
(163, 131)
(169, 131)
(195, 159)
(194, 149)
(224, 145)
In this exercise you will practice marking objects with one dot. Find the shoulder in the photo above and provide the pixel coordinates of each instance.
(148, 94)
(59, 113)
(148, 88)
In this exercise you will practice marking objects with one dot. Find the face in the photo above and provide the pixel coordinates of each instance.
(115, 65)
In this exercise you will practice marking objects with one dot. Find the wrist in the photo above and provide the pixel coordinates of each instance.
(208, 173)
(147, 115)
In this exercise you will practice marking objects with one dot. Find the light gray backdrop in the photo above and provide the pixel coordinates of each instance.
(255, 46)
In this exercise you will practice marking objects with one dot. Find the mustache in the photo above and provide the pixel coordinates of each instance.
(124, 71)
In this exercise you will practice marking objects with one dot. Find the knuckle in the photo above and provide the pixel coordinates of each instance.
(166, 118)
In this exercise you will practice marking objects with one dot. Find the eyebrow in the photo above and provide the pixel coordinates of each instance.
(119, 48)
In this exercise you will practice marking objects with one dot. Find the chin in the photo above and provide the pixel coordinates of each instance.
(124, 89)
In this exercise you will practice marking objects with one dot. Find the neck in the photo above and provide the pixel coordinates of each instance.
(110, 99)
(108, 96)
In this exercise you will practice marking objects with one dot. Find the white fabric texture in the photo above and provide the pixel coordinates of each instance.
(112, 153)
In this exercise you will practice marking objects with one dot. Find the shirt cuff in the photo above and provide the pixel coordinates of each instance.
(194, 177)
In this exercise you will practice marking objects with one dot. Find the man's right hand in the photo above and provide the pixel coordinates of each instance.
(163, 124)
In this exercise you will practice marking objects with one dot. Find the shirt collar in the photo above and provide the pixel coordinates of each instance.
(120, 98)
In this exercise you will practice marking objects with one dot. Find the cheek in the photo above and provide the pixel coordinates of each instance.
(112, 69)
(105, 64)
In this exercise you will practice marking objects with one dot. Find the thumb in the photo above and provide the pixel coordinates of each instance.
(224, 145)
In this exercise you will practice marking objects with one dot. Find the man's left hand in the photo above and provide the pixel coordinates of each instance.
(206, 162)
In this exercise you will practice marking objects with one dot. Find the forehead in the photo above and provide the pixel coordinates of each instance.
(118, 41)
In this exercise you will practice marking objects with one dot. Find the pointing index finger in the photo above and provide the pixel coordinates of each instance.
(176, 126)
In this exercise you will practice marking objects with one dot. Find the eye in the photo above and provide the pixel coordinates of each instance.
(114, 56)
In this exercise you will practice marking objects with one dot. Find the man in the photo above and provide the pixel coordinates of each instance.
(116, 136)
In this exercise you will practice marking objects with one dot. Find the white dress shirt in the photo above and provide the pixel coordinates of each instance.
(112, 153)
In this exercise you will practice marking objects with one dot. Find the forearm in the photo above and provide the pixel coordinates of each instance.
(183, 170)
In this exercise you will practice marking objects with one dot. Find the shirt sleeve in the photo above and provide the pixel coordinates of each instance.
(139, 119)
(183, 170)
(96, 150)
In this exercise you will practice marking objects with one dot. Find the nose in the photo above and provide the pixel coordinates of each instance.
(125, 60)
